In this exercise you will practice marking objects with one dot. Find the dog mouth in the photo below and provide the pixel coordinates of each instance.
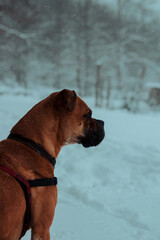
(92, 138)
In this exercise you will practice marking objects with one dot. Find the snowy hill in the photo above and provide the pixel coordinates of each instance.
(108, 192)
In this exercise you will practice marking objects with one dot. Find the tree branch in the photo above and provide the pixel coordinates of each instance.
(10, 31)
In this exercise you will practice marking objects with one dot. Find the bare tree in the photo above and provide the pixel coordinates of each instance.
(59, 9)
(78, 44)
(86, 35)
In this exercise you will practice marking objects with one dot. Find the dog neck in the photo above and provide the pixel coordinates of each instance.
(41, 128)
(34, 146)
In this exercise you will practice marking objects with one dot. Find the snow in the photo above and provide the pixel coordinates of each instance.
(108, 192)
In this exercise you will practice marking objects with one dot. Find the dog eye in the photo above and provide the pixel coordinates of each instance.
(88, 115)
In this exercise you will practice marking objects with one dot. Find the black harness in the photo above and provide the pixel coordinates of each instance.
(27, 184)
(41, 151)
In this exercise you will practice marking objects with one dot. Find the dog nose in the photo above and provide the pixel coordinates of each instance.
(101, 123)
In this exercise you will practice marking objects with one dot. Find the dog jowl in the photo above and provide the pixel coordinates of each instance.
(94, 133)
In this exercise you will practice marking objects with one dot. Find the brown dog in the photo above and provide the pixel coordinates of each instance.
(60, 119)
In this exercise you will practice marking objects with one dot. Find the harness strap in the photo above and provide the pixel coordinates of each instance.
(27, 192)
(43, 182)
(27, 184)
(33, 145)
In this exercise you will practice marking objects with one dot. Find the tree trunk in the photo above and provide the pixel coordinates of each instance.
(87, 7)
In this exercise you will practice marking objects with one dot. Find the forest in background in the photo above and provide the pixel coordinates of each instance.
(81, 44)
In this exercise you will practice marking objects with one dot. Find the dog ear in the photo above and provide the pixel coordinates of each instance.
(66, 99)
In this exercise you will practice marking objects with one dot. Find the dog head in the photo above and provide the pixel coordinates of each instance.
(75, 120)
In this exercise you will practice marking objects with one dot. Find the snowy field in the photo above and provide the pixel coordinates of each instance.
(111, 192)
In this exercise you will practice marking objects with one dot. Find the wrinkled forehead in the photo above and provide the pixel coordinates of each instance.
(81, 105)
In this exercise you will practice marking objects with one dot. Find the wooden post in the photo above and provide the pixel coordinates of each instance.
(98, 67)
(140, 87)
(78, 80)
(108, 91)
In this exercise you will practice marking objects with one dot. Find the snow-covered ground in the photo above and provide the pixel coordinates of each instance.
(108, 192)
